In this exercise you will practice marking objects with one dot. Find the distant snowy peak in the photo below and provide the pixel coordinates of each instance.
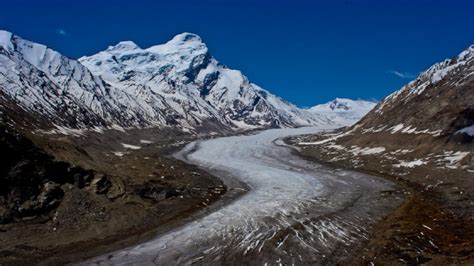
(344, 105)
(344, 111)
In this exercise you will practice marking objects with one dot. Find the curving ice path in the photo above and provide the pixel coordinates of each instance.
(296, 212)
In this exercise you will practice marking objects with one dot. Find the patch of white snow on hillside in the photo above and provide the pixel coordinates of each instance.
(331, 138)
(467, 130)
(373, 130)
(451, 158)
(410, 164)
(98, 130)
(367, 150)
(243, 125)
(118, 153)
(396, 128)
(64, 131)
(409, 130)
(336, 147)
(117, 127)
(144, 141)
(441, 73)
(132, 147)
(400, 128)
(400, 151)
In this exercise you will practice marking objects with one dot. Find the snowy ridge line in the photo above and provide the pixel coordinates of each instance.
(431, 76)
(176, 84)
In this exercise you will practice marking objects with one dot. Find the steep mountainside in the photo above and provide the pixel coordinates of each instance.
(175, 84)
(344, 112)
(420, 136)
(427, 123)
(55, 89)
(440, 101)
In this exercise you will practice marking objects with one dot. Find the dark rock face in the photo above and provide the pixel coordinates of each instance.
(155, 192)
(30, 180)
(101, 184)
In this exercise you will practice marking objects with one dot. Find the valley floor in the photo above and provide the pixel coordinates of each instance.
(295, 211)
(279, 208)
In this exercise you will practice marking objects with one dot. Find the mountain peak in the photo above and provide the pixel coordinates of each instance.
(339, 104)
(344, 111)
(188, 42)
(467, 54)
(186, 37)
(123, 46)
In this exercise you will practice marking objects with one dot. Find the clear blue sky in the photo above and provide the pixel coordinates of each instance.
(308, 52)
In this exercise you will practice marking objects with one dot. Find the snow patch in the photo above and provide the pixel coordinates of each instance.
(117, 127)
(467, 130)
(410, 164)
(64, 131)
(131, 147)
(118, 153)
(367, 150)
(335, 137)
(396, 128)
(451, 158)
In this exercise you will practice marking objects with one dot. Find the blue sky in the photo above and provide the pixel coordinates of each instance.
(308, 52)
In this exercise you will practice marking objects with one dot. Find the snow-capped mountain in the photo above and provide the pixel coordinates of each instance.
(342, 111)
(55, 89)
(184, 75)
(440, 101)
(419, 132)
(174, 84)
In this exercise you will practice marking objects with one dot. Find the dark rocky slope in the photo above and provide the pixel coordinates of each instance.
(30, 179)
(95, 194)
